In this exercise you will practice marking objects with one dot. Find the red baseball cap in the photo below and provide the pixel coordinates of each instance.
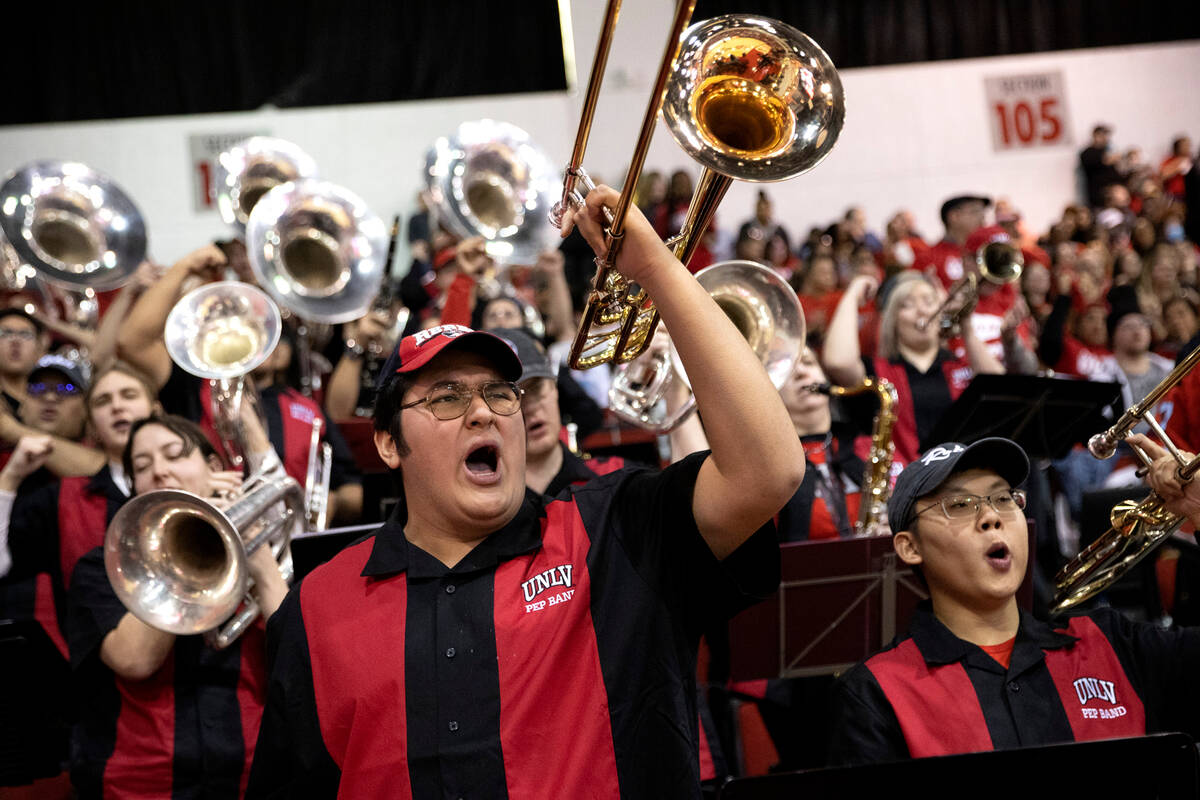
(420, 348)
(981, 237)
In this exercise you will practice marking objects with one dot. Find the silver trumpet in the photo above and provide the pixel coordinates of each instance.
(763, 308)
(179, 564)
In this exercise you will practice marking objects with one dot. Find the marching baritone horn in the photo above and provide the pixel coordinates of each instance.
(250, 169)
(222, 332)
(178, 563)
(318, 250)
(490, 179)
(763, 308)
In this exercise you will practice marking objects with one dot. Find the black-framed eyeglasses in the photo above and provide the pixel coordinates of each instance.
(61, 389)
(23, 335)
(960, 506)
(451, 400)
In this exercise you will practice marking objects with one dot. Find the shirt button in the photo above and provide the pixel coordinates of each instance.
(1013, 686)
(450, 588)
(453, 726)
(449, 652)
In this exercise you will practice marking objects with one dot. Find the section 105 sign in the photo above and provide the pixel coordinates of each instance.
(1027, 111)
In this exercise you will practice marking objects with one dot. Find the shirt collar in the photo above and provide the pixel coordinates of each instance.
(392, 553)
(939, 646)
(573, 470)
(105, 483)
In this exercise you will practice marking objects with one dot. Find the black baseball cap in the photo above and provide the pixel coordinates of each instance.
(923, 476)
(417, 350)
(962, 199)
(534, 361)
(64, 366)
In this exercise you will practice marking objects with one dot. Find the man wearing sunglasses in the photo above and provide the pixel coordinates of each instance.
(974, 671)
(489, 641)
(54, 398)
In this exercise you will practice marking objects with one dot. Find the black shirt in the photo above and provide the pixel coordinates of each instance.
(557, 659)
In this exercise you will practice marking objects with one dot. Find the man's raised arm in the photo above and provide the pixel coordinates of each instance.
(757, 463)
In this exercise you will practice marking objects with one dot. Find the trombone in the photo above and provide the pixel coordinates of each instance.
(747, 96)
(1137, 528)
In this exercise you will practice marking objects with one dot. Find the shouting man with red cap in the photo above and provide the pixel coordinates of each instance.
(491, 642)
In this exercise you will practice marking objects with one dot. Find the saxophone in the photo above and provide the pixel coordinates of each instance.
(876, 486)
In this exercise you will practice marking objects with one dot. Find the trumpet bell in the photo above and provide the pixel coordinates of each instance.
(252, 168)
(176, 562)
(1000, 262)
(73, 225)
(490, 179)
(753, 98)
(318, 250)
(222, 330)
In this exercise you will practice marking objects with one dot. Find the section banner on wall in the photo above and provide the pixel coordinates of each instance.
(1028, 110)
(203, 150)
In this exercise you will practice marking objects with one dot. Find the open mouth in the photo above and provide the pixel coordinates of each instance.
(483, 460)
(998, 555)
(122, 426)
(534, 429)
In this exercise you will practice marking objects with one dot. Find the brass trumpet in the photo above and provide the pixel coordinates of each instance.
(998, 263)
(1137, 528)
(750, 98)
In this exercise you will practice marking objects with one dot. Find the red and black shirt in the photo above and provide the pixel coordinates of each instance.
(826, 504)
(1099, 676)
(557, 659)
(188, 731)
(922, 397)
(50, 528)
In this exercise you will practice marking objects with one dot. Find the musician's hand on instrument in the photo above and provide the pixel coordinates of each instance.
(207, 263)
(472, 256)
(30, 455)
(641, 247)
(1013, 319)
(224, 486)
(1162, 477)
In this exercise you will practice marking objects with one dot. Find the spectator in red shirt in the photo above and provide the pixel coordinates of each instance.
(961, 215)
(1175, 168)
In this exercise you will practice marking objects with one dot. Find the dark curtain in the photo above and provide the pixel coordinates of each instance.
(132, 58)
(869, 33)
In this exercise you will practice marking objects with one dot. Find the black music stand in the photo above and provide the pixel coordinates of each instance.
(311, 549)
(1163, 766)
(33, 704)
(1045, 416)
(839, 601)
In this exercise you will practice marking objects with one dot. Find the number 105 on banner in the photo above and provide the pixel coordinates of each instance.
(1027, 111)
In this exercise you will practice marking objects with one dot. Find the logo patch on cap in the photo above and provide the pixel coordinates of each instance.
(449, 331)
(940, 454)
